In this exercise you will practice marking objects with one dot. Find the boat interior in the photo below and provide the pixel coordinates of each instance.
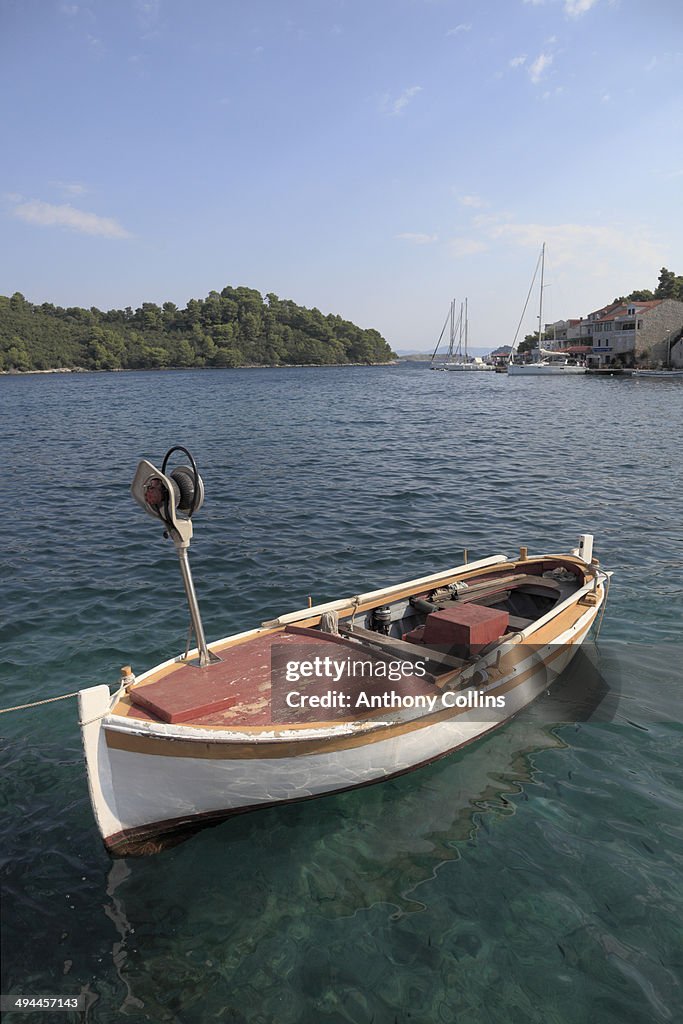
(447, 627)
(461, 619)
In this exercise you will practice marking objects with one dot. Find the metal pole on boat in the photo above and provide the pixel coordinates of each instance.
(450, 347)
(466, 359)
(540, 304)
(205, 655)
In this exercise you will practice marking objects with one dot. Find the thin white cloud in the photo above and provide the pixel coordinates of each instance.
(396, 106)
(536, 70)
(68, 10)
(464, 27)
(590, 247)
(581, 244)
(148, 16)
(46, 215)
(148, 12)
(575, 8)
(517, 62)
(473, 200)
(466, 246)
(664, 61)
(70, 188)
(417, 237)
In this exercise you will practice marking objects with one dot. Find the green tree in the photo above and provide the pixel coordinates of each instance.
(670, 286)
(16, 356)
(530, 342)
(228, 357)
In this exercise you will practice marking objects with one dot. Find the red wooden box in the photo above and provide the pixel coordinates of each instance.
(466, 625)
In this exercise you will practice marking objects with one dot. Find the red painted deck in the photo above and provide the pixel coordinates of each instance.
(237, 690)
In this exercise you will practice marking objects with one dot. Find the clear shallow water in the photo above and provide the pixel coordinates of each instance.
(536, 876)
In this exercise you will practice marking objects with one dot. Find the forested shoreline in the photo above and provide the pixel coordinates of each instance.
(232, 328)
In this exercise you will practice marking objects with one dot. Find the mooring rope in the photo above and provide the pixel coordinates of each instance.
(602, 610)
(65, 696)
(35, 703)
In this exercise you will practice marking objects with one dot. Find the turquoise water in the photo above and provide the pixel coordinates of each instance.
(534, 877)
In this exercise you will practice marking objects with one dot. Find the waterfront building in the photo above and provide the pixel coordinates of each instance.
(629, 333)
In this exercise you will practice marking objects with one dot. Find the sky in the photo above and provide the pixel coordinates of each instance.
(371, 158)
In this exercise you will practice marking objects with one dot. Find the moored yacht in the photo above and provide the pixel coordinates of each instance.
(549, 363)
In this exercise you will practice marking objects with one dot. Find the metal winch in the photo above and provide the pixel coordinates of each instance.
(173, 498)
(381, 620)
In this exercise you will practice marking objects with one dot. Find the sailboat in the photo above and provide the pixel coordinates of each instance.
(549, 363)
(457, 357)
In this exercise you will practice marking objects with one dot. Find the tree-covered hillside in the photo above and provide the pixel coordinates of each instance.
(234, 327)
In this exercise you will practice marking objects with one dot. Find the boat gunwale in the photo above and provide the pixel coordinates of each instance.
(311, 616)
(324, 741)
(274, 733)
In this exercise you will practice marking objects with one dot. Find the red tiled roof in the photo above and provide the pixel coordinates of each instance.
(620, 309)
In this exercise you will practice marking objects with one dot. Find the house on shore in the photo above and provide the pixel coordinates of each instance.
(628, 334)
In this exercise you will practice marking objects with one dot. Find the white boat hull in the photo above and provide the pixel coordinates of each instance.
(543, 370)
(468, 366)
(149, 780)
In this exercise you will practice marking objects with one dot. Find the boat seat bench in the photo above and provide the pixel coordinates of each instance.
(402, 648)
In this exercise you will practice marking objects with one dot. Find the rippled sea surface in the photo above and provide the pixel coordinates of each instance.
(536, 876)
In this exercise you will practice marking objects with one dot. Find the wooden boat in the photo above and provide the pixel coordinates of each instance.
(227, 728)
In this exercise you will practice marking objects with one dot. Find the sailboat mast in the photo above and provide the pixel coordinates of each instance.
(540, 304)
(445, 324)
(450, 347)
(465, 330)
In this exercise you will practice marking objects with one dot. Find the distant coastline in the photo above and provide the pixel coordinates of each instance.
(162, 369)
